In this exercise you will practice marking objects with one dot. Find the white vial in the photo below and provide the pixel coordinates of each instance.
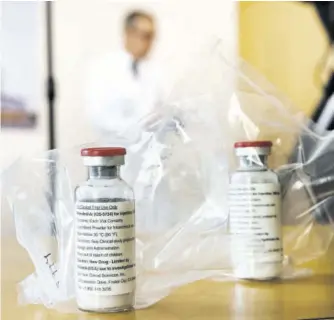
(255, 214)
(105, 235)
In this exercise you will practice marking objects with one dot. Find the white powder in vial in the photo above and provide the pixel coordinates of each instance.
(255, 214)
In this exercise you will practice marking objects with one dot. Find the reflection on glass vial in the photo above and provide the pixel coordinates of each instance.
(255, 214)
(105, 234)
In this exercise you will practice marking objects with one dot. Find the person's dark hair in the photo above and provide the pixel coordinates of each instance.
(132, 16)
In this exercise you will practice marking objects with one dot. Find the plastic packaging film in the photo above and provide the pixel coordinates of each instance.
(179, 167)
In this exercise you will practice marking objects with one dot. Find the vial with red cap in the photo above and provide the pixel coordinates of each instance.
(105, 234)
(255, 214)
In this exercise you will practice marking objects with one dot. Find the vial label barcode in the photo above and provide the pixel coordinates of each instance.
(105, 247)
(255, 222)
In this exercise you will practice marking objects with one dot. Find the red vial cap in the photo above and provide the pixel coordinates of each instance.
(253, 144)
(103, 152)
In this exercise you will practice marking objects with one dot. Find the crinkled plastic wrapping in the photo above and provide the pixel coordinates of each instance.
(179, 161)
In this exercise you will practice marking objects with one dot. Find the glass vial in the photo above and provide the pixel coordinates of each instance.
(105, 234)
(255, 214)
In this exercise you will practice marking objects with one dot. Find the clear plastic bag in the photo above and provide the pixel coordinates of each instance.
(179, 166)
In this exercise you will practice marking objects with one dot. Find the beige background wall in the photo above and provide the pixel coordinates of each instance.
(285, 41)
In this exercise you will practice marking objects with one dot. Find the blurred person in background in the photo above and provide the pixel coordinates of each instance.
(124, 86)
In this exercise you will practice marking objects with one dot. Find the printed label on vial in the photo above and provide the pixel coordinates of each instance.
(105, 247)
(255, 221)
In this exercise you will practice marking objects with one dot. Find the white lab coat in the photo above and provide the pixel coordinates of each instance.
(117, 99)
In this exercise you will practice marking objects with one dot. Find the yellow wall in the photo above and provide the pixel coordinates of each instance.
(285, 42)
